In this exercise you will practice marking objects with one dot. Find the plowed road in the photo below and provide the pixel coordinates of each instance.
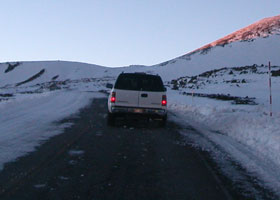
(133, 160)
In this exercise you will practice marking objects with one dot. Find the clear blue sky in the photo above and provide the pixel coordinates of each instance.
(120, 32)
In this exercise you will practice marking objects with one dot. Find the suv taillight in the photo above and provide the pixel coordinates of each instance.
(113, 97)
(164, 100)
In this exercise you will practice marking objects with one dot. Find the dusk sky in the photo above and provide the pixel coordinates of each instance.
(120, 32)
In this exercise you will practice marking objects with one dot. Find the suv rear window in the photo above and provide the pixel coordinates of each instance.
(141, 82)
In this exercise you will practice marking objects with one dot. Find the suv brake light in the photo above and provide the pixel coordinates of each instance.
(113, 97)
(163, 101)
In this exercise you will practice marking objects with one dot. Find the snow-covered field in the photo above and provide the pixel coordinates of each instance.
(28, 120)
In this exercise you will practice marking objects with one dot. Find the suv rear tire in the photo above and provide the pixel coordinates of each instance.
(162, 122)
(111, 118)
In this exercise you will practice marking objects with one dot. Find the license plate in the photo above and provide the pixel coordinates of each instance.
(138, 110)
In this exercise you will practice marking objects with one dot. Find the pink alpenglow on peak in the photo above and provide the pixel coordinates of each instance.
(263, 28)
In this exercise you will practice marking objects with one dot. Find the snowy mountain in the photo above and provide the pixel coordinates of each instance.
(263, 28)
(255, 44)
(258, 44)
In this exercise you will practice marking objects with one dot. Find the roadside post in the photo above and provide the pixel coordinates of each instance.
(270, 93)
(192, 96)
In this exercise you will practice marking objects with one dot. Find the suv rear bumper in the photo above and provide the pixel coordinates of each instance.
(138, 110)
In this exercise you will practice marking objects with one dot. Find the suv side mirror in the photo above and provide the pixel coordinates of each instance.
(109, 85)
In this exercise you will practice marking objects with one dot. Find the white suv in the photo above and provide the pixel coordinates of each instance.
(137, 93)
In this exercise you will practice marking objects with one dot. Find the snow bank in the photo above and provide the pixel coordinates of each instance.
(246, 133)
(26, 121)
(255, 129)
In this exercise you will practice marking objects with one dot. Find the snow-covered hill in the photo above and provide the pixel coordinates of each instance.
(255, 44)
(263, 28)
(51, 70)
(241, 53)
(258, 44)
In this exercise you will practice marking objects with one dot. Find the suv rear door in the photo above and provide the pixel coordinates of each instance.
(151, 93)
(127, 90)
